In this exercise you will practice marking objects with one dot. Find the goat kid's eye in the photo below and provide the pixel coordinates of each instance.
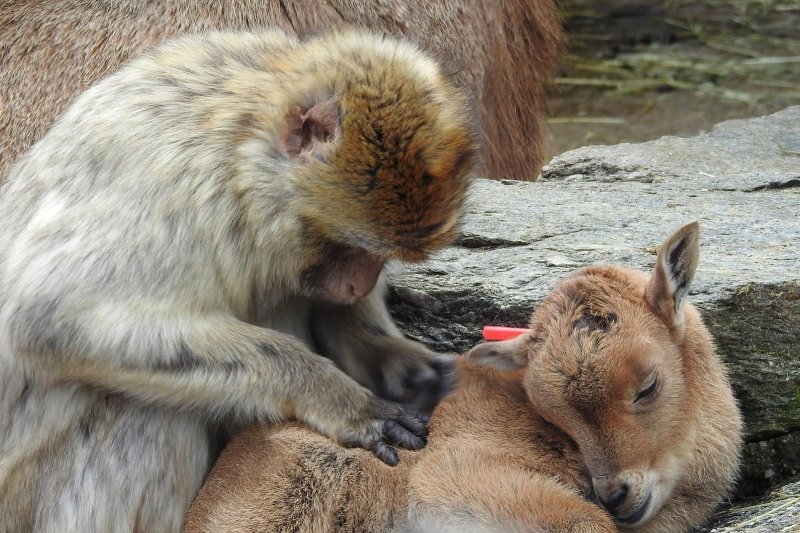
(647, 392)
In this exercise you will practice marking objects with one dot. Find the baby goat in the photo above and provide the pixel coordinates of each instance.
(616, 396)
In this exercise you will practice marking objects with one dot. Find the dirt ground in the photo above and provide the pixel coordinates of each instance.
(640, 69)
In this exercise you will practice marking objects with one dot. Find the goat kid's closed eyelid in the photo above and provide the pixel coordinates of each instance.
(648, 391)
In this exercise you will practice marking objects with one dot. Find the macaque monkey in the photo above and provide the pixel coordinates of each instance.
(195, 245)
(503, 53)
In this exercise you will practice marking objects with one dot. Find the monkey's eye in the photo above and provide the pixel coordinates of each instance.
(647, 391)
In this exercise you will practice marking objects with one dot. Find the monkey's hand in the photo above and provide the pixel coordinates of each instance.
(393, 367)
(363, 341)
(404, 371)
(385, 426)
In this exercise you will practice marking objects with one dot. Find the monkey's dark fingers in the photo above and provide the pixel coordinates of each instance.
(429, 383)
(400, 436)
(385, 453)
(422, 378)
(446, 368)
(416, 423)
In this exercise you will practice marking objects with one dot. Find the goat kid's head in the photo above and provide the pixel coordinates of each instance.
(605, 363)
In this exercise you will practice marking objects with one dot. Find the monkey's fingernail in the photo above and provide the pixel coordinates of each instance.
(411, 422)
(402, 437)
(386, 453)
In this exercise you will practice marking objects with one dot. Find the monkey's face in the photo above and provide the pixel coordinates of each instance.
(341, 274)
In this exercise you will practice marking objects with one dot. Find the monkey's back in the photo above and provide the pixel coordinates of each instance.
(126, 175)
(141, 163)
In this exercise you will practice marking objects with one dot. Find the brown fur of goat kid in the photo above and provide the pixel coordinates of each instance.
(521, 450)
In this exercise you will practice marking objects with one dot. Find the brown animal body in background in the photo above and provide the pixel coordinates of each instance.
(196, 245)
(503, 52)
(619, 392)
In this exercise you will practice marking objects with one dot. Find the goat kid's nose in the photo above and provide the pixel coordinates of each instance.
(610, 494)
(616, 499)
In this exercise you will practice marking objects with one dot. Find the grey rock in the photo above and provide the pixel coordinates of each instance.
(617, 204)
(779, 511)
(737, 155)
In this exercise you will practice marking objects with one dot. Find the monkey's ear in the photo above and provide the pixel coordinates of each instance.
(675, 266)
(309, 130)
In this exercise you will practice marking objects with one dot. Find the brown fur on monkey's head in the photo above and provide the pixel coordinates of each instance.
(381, 146)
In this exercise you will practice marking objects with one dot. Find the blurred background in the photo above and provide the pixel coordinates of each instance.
(636, 70)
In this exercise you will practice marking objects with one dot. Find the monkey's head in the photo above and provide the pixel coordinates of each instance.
(380, 148)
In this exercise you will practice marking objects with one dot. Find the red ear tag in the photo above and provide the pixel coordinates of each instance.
(501, 333)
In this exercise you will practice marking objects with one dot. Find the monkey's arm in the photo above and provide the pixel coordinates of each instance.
(364, 341)
(211, 363)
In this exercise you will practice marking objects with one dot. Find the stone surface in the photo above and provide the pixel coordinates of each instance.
(780, 511)
(617, 204)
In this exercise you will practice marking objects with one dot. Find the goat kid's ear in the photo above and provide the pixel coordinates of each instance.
(503, 355)
(310, 130)
(672, 277)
